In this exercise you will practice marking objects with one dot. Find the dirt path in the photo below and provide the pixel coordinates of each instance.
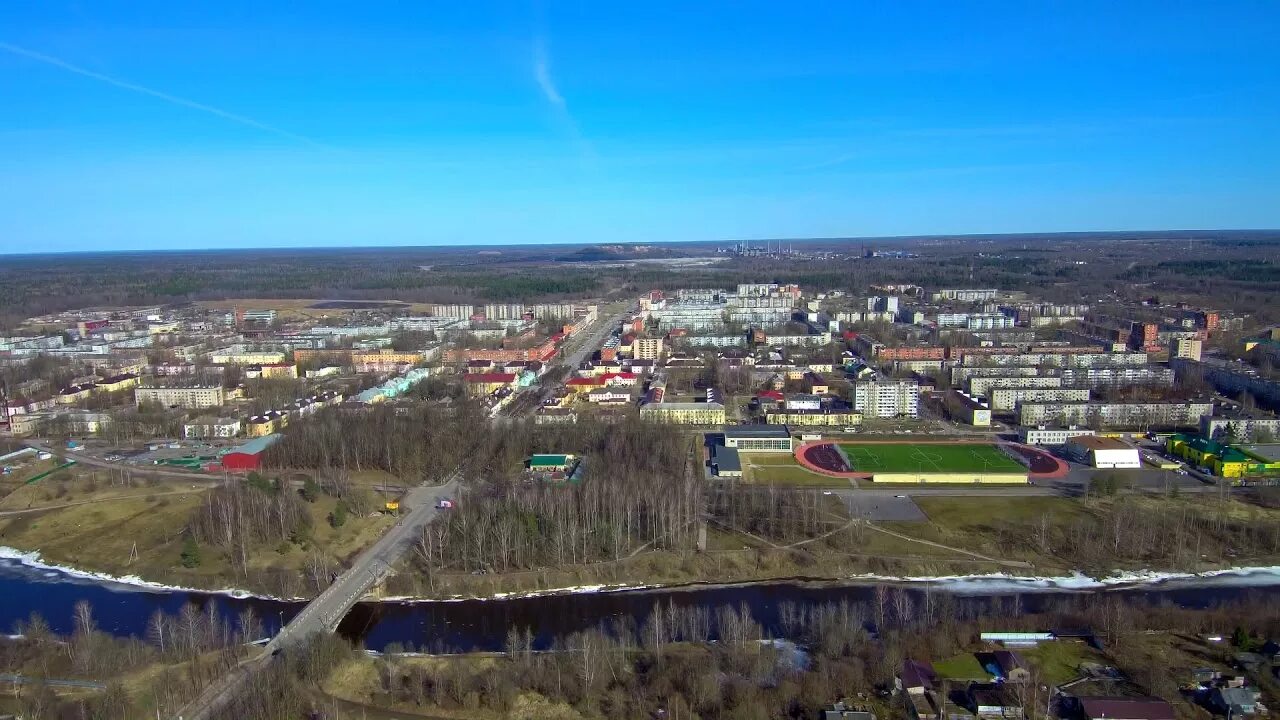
(951, 548)
(42, 508)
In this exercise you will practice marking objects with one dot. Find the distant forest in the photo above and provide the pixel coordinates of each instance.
(1232, 271)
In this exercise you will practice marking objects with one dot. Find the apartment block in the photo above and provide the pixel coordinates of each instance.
(887, 398)
(1115, 415)
(1005, 399)
(192, 398)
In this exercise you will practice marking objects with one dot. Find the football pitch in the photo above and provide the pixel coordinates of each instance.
(918, 458)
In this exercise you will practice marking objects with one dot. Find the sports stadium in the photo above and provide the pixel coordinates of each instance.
(928, 461)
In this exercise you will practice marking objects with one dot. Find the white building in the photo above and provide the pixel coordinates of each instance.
(192, 398)
(887, 398)
(1050, 436)
(457, 312)
(1132, 415)
(1007, 398)
(211, 427)
(1103, 452)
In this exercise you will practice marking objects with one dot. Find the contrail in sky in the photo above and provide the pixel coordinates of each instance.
(172, 99)
(547, 84)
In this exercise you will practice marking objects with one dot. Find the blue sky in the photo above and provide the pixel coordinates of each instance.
(148, 124)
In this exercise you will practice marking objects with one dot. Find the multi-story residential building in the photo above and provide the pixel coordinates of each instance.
(1187, 347)
(1005, 399)
(457, 312)
(982, 386)
(429, 323)
(191, 397)
(1117, 415)
(813, 340)
(714, 341)
(647, 348)
(695, 316)
(1060, 359)
(961, 374)
(909, 352)
(239, 355)
(1244, 427)
(964, 294)
(211, 427)
(552, 311)
(887, 398)
(988, 321)
(1232, 377)
(952, 319)
(1117, 376)
(504, 311)
(760, 316)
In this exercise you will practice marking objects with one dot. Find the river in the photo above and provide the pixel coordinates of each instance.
(466, 625)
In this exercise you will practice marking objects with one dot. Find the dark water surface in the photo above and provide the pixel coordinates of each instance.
(483, 624)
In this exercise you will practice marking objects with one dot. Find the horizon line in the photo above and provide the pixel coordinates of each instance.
(635, 243)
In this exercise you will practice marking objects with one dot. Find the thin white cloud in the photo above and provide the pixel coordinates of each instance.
(171, 99)
(542, 73)
(547, 84)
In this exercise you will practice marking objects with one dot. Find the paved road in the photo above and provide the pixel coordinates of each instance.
(323, 614)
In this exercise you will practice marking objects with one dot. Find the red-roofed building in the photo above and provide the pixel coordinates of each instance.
(488, 383)
(773, 396)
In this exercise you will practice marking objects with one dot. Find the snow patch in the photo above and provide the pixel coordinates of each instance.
(31, 559)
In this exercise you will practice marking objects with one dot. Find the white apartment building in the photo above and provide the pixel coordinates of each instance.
(1098, 377)
(457, 312)
(887, 398)
(503, 311)
(192, 398)
(964, 294)
(982, 386)
(211, 427)
(1007, 398)
(1130, 415)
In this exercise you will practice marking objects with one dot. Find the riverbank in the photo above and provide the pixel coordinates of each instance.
(985, 583)
(976, 542)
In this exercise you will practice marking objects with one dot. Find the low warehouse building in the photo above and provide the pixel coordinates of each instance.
(1103, 452)
(248, 456)
(758, 438)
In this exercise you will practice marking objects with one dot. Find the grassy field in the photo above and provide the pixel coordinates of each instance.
(137, 530)
(908, 457)
(964, 666)
(1059, 662)
(782, 469)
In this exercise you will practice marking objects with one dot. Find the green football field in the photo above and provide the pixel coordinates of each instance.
(907, 457)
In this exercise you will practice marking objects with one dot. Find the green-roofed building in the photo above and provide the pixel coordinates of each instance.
(550, 463)
(1223, 460)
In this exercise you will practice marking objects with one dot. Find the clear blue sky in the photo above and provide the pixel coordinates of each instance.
(161, 124)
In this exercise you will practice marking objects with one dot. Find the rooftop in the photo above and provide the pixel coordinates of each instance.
(725, 459)
(257, 445)
(490, 377)
(1149, 708)
(757, 431)
(1098, 442)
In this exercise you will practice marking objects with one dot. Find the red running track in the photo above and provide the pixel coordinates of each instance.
(821, 456)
